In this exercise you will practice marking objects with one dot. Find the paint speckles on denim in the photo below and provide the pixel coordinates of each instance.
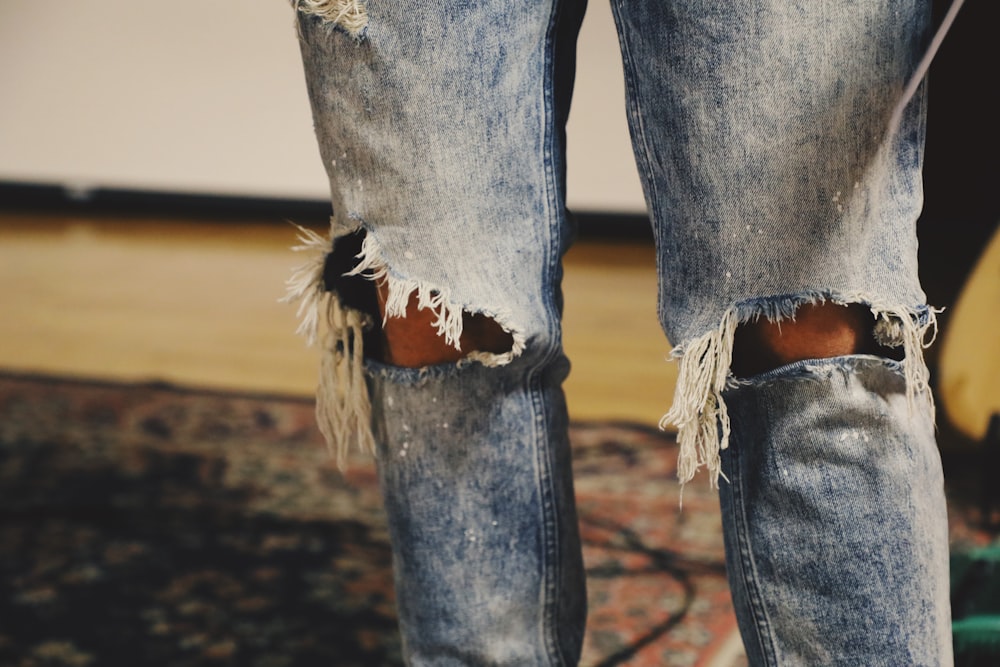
(413, 126)
(481, 519)
(760, 129)
(772, 175)
(836, 534)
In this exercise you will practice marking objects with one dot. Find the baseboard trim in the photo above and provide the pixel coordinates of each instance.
(54, 198)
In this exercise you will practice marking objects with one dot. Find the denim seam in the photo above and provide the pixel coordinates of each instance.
(639, 136)
(550, 536)
(808, 370)
(748, 569)
(415, 376)
(551, 564)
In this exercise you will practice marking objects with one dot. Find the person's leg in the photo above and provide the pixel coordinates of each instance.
(784, 209)
(441, 128)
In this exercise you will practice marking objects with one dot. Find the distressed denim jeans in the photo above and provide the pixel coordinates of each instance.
(776, 175)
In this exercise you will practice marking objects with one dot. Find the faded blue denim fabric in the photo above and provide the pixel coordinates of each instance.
(761, 133)
(479, 492)
(774, 177)
(452, 164)
(834, 518)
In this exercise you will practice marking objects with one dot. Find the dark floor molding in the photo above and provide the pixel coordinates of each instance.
(53, 198)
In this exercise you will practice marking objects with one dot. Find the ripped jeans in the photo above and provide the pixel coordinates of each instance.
(774, 179)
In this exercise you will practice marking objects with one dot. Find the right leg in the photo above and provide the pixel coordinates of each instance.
(441, 129)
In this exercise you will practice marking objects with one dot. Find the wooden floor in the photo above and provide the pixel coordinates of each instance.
(196, 302)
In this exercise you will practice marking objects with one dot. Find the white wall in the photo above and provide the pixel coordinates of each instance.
(207, 97)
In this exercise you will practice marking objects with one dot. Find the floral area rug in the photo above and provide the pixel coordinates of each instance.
(146, 524)
(157, 525)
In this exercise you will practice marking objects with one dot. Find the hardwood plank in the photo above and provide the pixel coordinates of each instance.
(196, 302)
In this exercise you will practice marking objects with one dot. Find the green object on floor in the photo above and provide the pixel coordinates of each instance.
(975, 598)
(977, 633)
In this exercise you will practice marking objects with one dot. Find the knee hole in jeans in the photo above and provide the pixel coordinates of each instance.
(411, 341)
(817, 331)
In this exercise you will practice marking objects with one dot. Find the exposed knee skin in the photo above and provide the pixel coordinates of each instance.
(413, 341)
(818, 331)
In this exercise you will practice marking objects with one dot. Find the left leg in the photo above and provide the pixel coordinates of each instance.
(784, 204)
